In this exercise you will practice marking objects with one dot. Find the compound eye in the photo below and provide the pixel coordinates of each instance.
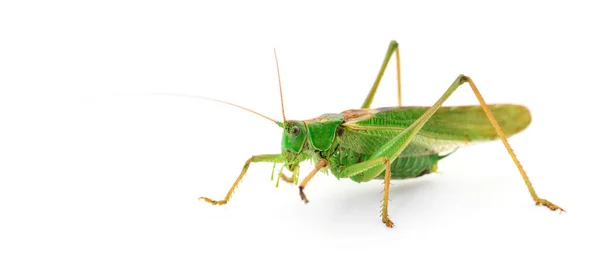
(295, 131)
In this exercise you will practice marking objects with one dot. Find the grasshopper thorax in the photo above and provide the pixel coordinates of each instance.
(307, 139)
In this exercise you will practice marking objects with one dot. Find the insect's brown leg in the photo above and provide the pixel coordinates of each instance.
(393, 47)
(492, 119)
(260, 158)
(378, 165)
(321, 164)
(386, 195)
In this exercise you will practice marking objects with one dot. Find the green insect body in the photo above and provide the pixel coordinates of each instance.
(354, 135)
(391, 143)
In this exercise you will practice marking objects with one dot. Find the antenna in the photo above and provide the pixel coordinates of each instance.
(280, 91)
(219, 101)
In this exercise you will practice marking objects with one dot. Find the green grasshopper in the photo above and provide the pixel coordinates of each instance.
(390, 143)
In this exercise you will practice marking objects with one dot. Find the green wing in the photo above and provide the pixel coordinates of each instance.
(364, 131)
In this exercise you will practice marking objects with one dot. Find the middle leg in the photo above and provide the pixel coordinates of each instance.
(386, 196)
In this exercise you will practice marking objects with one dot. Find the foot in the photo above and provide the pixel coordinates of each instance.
(548, 204)
(302, 196)
(221, 202)
(387, 222)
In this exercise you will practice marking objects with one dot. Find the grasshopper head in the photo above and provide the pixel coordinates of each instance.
(292, 143)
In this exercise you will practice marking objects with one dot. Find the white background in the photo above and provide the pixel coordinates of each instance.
(94, 166)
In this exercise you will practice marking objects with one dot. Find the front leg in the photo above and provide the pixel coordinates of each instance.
(275, 158)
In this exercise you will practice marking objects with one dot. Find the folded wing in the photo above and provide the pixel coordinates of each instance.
(364, 131)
